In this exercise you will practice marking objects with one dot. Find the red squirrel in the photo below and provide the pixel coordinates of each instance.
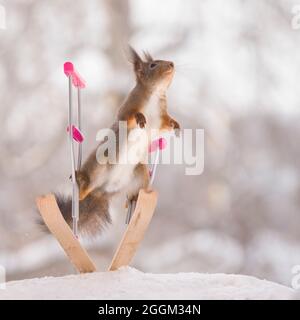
(145, 108)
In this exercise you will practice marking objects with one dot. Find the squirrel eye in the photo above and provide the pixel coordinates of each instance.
(153, 65)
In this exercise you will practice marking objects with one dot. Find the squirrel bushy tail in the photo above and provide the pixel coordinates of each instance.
(94, 212)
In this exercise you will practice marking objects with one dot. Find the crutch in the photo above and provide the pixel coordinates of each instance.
(75, 134)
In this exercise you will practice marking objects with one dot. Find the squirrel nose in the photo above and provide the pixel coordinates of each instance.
(171, 64)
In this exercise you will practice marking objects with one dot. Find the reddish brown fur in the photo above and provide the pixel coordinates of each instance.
(147, 80)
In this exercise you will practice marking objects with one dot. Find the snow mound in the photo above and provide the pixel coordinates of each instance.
(129, 283)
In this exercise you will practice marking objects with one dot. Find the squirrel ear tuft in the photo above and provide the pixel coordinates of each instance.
(148, 56)
(136, 60)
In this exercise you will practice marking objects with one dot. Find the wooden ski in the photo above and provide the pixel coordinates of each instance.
(57, 225)
(77, 255)
(136, 229)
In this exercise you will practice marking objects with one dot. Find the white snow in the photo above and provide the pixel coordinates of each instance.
(129, 283)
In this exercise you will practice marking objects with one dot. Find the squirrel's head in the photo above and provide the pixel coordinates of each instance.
(155, 74)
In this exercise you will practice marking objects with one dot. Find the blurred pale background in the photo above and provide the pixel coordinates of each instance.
(238, 68)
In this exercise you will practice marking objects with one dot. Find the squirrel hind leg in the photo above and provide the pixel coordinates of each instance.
(83, 193)
(84, 186)
(140, 180)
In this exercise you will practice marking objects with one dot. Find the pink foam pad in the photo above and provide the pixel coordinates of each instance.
(160, 144)
(77, 134)
(68, 68)
(70, 71)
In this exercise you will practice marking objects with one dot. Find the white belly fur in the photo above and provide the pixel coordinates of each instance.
(152, 113)
(121, 175)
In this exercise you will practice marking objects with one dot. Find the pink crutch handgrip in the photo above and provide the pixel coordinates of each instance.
(70, 71)
(160, 144)
(77, 134)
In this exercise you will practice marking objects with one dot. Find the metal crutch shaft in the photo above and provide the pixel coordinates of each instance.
(75, 196)
(79, 159)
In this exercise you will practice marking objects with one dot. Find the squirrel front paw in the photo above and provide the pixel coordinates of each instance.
(176, 127)
(140, 120)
